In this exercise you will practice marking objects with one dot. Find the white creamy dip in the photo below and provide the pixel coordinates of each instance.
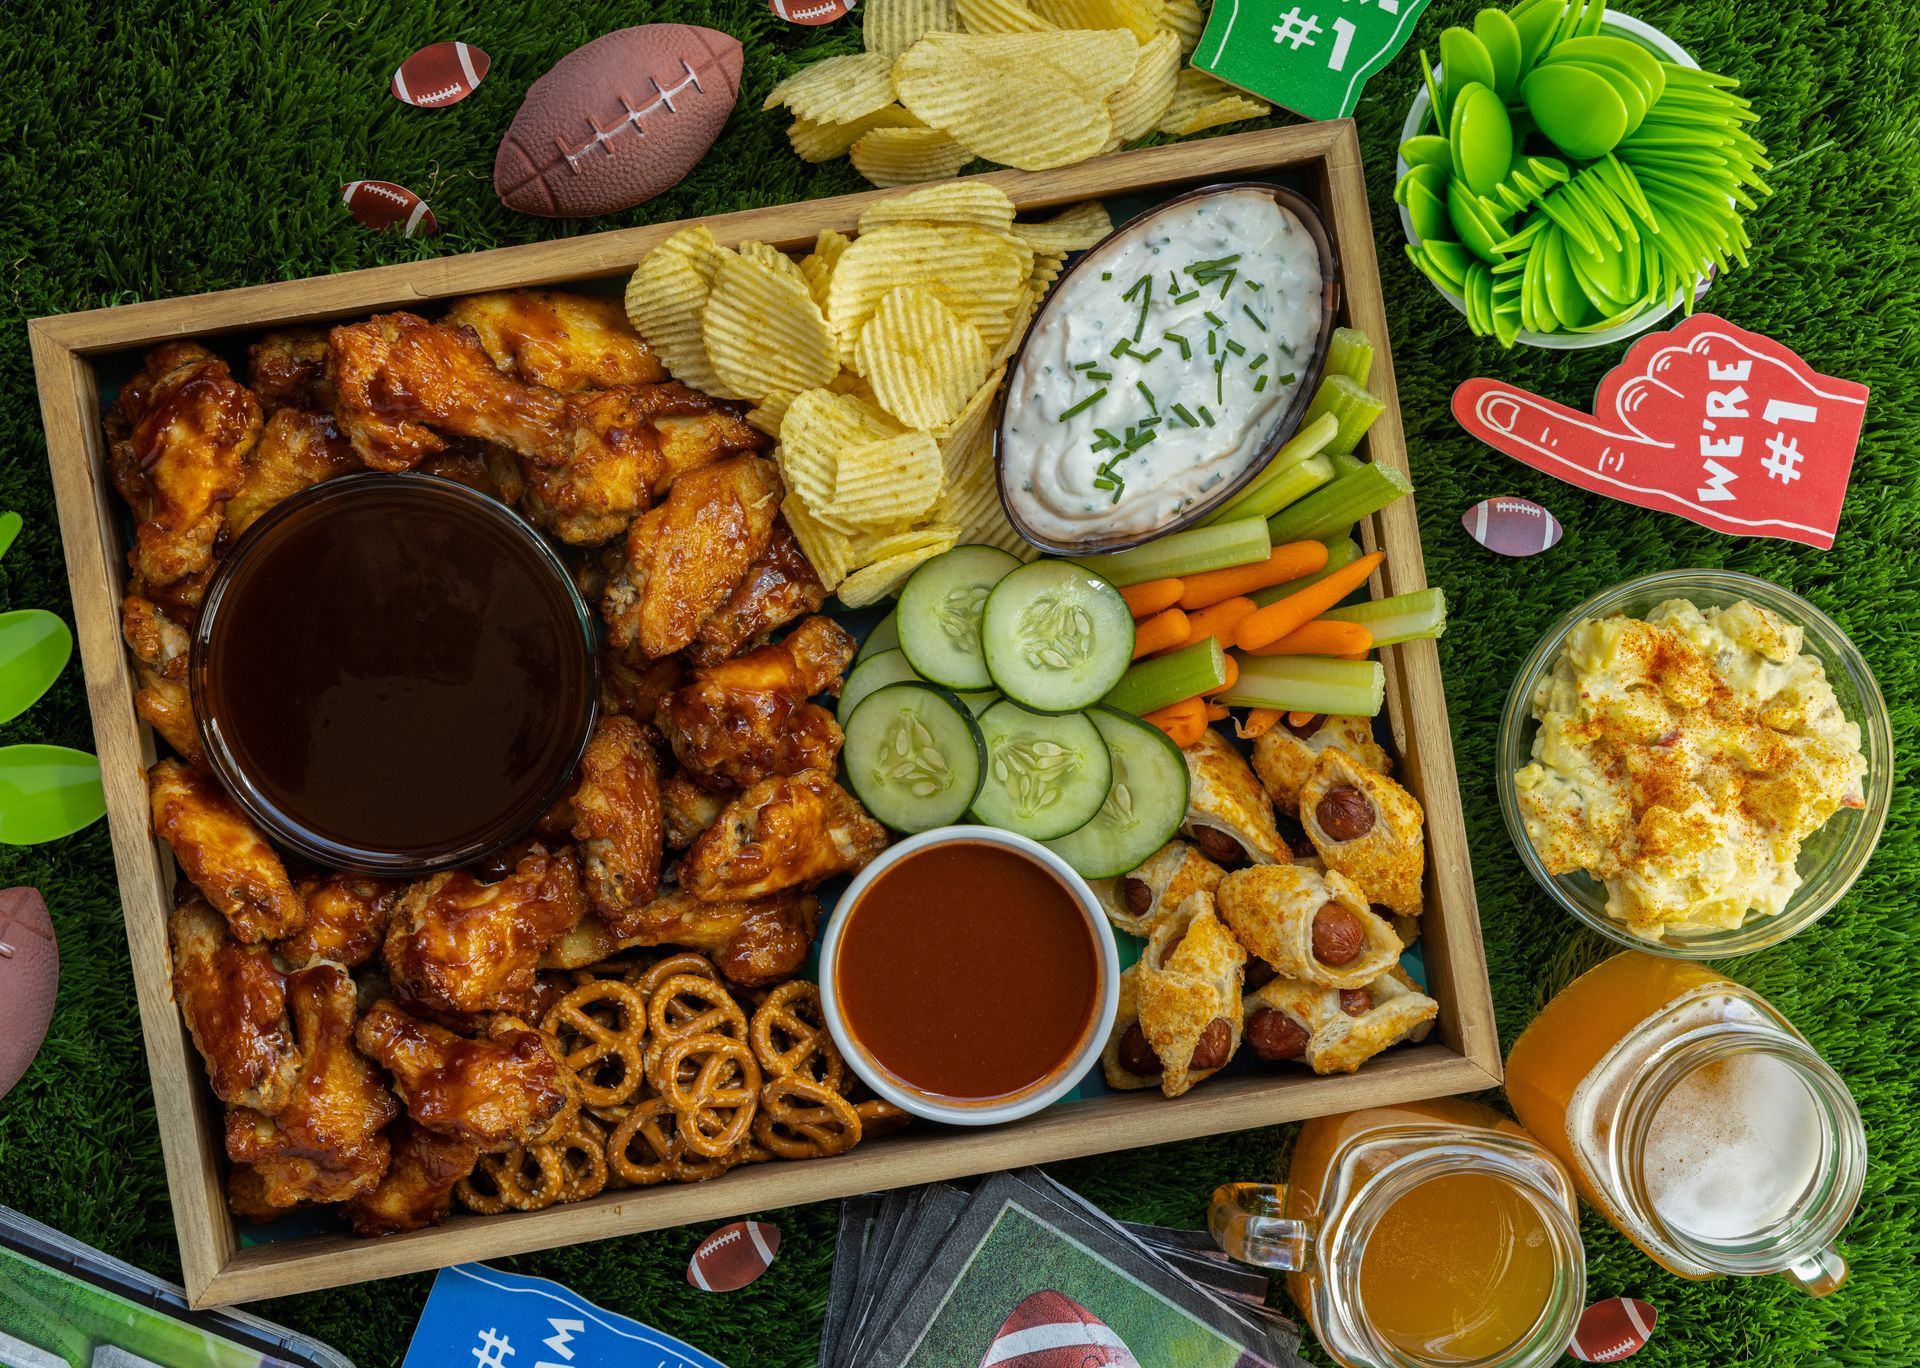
(1159, 368)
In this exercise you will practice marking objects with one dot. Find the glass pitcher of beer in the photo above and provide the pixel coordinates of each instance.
(1694, 1118)
(1419, 1235)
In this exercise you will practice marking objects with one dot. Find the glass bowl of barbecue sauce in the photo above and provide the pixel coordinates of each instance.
(969, 976)
(393, 674)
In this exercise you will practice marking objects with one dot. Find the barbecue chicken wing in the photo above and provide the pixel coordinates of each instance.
(566, 342)
(458, 945)
(235, 1003)
(739, 722)
(689, 809)
(179, 436)
(779, 587)
(223, 854)
(617, 821)
(327, 1144)
(159, 645)
(347, 917)
(297, 448)
(505, 1089)
(791, 831)
(632, 686)
(493, 470)
(288, 369)
(751, 943)
(418, 1189)
(685, 556)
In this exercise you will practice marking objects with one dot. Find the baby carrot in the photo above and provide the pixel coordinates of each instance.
(1219, 619)
(1144, 600)
(1283, 563)
(1160, 632)
(1184, 721)
(1258, 722)
(1322, 637)
(1296, 610)
(1218, 712)
(1297, 720)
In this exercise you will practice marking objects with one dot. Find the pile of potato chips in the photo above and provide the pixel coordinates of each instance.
(1028, 83)
(874, 361)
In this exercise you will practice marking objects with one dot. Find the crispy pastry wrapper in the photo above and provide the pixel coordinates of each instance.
(1171, 873)
(1224, 796)
(1189, 974)
(1285, 762)
(1337, 1042)
(1270, 910)
(1124, 1019)
(1389, 860)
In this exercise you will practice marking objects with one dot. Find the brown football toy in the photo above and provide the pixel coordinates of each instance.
(618, 121)
(733, 1256)
(29, 980)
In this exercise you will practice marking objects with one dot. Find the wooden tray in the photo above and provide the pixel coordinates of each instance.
(70, 350)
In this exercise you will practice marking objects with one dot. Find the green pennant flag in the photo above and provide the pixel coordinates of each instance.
(1312, 56)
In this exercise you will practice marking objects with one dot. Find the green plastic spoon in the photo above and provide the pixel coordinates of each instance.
(35, 647)
(1624, 85)
(1578, 110)
(1479, 232)
(1537, 24)
(1428, 212)
(1622, 53)
(47, 792)
(9, 529)
(1497, 34)
(1427, 149)
(1482, 138)
(1464, 60)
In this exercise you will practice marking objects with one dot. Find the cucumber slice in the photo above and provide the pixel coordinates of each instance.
(1056, 636)
(876, 671)
(979, 702)
(939, 614)
(1145, 803)
(885, 636)
(914, 756)
(1047, 773)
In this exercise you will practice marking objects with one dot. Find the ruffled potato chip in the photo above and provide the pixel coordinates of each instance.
(968, 202)
(1046, 269)
(999, 16)
(818, 142)
(1017, 323)
(887, 483)
(1030, 100)
(974, 272)
(1141, 17)
(1187, 20)
(1071, 230)
(829, 549)
(772, 258)
(697, 247)
(974, 420)
(1201, 102)
(817, 265)
(874, 582)
(769, 413)
(893, 26)
(972, 502)
(837, 89)
(1139, 105)
(764, 334)
(666, 301)
(878, 546)
(922, 362)
(819, 425)
(907, 156)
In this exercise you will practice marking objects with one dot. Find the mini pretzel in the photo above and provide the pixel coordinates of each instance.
(583, 1161)
(683, 1006)
(601, 1027)
(800, 1119)
(644, 980)
(879, 1117)
(713, 1085)
(790, 1037)
(646, 1149)
(527, 1178)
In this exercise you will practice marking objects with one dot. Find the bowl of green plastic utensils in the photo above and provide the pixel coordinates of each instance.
(1568, 177)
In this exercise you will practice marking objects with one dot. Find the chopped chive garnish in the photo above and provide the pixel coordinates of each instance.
(1146, 302)
(1143, 283)
(1106, 436)
(1185, 415)
(1226, 282)
(1099, 375)
(1085, 365)
(1210, 341)
(1152, 403)
(1147, 356)
(1235, 347)
(1254, 316)
(1287, 379)
(1102, 482)
(1255, 286)
(1257, 362)
(1214, 319)
(1206, 415)
(1186, 298)
(1120, 348)
(1085, 403)
(1186, 352)
(1215, 265)
(1106, 275)
(1219, 381)
(1260, 383)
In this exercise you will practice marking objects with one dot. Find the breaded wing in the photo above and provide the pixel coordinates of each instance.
(751, 943)
(160, 648)
(298, 448)
(347, 917)
(564, 341)
(235, 1004)
(418, 1189)
(790, 831)
(223, 854)
(617, 820)
(779, 587)
(505, 1089)
(287, 368)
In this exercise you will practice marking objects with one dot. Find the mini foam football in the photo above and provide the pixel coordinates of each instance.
(618, 121)
(440, 74)
(382, 204)
(1511, 526)
(733, 1256)
(811, 12)
(1611, 1330)
(1052, 1330)
(29, 980)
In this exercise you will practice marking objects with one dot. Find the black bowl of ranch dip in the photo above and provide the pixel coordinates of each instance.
(1169, 364)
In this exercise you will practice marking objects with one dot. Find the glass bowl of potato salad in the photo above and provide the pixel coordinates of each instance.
(1696, 763)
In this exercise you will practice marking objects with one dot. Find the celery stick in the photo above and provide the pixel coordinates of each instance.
(1310, 684)
(1163, 679)
(1350, 353)
(1345, 462)
(1184, 553)
(1419, 616)
(1301, 447)
(1348, 400)
(1331, 510)
(1288, 487)
(1341, 552)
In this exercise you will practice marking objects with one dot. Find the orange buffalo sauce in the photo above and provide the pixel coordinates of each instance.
(968, 972)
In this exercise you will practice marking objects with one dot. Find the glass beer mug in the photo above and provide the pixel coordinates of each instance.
(1418, 1235)
(1694, 1118)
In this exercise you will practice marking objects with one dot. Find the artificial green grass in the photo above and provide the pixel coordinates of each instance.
(160, 147)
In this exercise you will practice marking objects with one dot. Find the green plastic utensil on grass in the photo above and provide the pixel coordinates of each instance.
(1571, 180)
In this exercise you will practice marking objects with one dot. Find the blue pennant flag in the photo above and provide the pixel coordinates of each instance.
(479, 1317)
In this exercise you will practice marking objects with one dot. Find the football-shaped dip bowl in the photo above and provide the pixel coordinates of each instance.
(733, 1256)
(29, 980)
(382, 204)
(811, 12)
(1611, 1330)
(1052, 1330)
(440, 74)
(618, 121)
(1511, 527)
